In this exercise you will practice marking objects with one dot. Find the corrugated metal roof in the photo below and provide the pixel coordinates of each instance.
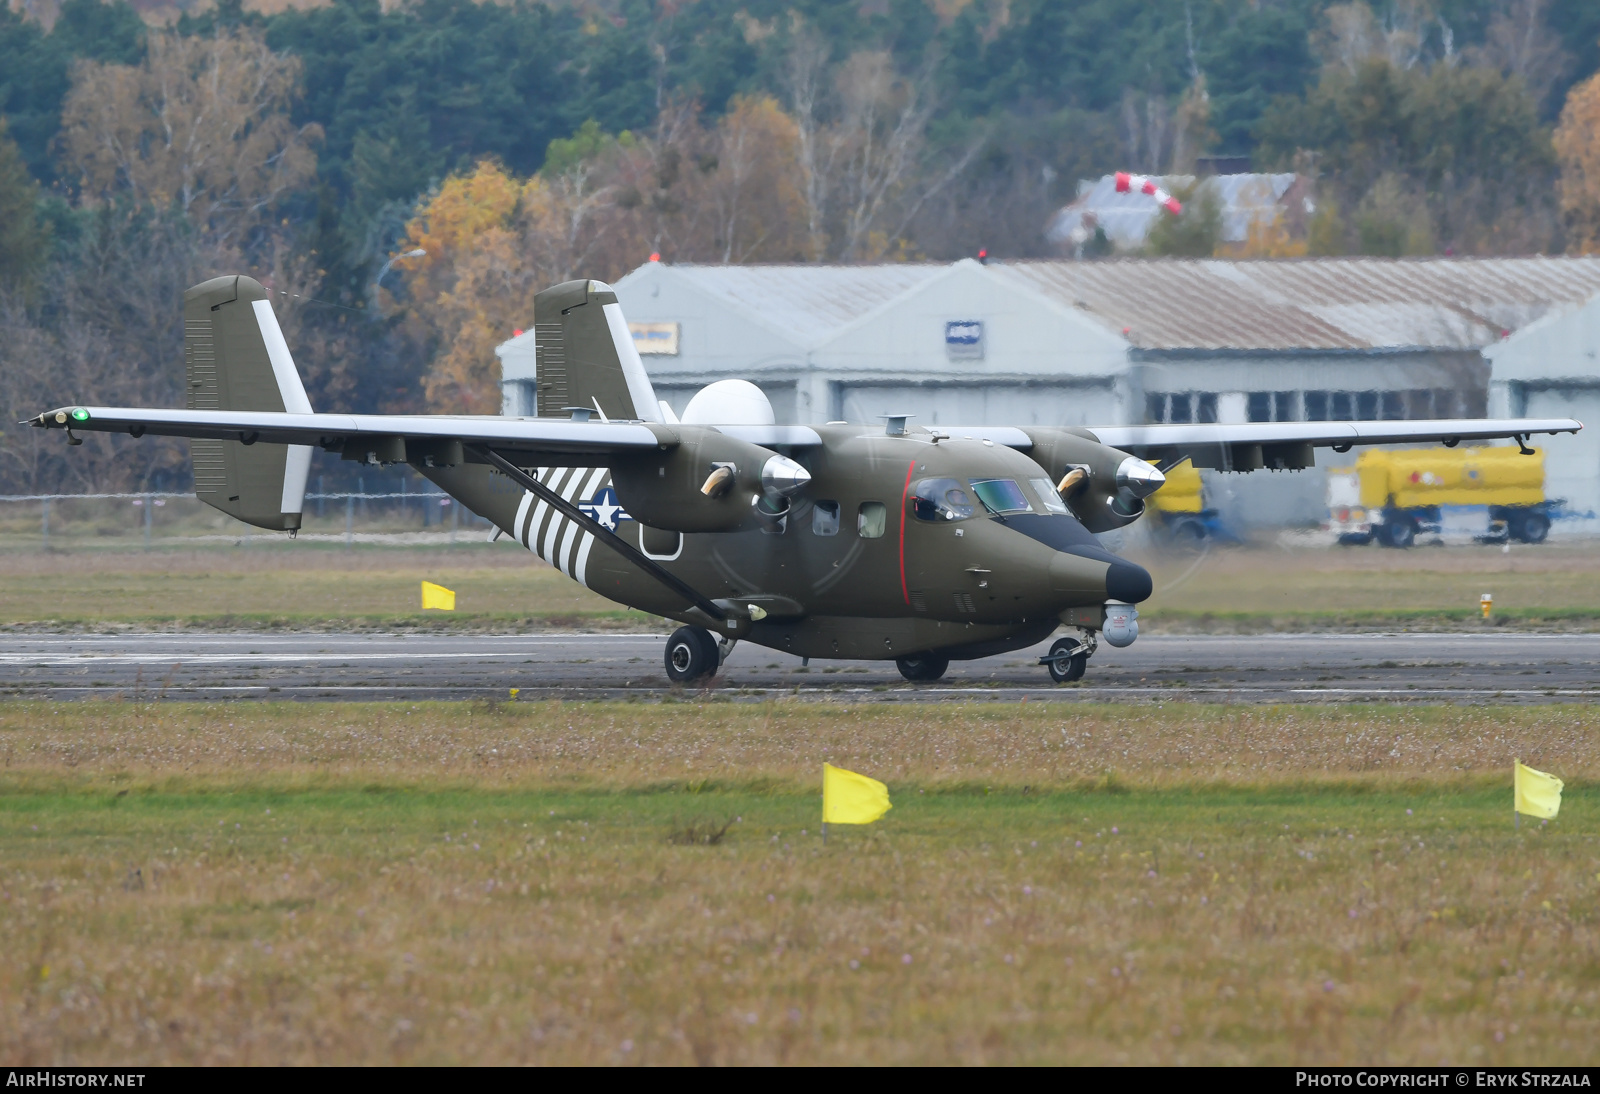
(807, 303)
(1314, 304)
(1202, 304)
(1127, 218)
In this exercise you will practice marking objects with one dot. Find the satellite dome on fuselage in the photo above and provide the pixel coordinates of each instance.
(728, 402)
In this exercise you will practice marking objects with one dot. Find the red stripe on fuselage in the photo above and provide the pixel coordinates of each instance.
(905, 494)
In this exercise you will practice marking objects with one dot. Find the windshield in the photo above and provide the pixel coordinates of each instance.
(940, 499)
(1001, 496)
(1048, 494)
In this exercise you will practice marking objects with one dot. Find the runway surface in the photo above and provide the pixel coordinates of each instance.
(1506, 668)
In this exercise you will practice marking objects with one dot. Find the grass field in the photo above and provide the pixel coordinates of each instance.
(533, 883)
(501, 587)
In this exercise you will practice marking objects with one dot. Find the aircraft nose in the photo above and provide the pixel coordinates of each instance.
(782, 476)
(1091, 573)
(1128, 583)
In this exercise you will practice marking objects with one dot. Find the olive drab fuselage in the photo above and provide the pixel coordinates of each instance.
(855, 569)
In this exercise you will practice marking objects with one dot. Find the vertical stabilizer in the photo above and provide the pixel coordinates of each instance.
(586, 355)
(235, 358)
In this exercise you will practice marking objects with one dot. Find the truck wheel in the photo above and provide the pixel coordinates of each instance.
(1532, 528)
(1402, 533)
(1355, 539)
(924, 668)
(1189, 534)
(691, 655)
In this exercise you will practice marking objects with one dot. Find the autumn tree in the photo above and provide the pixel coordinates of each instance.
(494, 241)
(600, 206)
(201, 124)
(754, 193)
(1577, 142)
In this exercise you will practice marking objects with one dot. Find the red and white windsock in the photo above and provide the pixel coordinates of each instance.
(1127, 183)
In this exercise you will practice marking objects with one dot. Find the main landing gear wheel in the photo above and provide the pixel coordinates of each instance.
(922, 668)
(1067, 661)
(692, 655)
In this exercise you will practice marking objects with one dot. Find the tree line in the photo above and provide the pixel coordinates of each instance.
(521, 143)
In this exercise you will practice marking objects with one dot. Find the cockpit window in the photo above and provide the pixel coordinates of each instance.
(940, 499)
(1001, 496)
(1049, 495)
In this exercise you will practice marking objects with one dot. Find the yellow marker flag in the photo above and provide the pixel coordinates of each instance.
(437, 596)
(848, 798)
(1537, 794)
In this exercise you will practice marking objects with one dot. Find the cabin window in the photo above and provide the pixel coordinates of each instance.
(872, 519)
(1001, 496)
(940, 499)
(825, 518)
(1049, 496)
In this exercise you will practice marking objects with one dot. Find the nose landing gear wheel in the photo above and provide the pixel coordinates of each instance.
(1066, 665)
(691, 655)
(923, 668)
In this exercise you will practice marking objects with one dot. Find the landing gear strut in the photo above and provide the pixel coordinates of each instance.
(1069, 657)
(692, 654)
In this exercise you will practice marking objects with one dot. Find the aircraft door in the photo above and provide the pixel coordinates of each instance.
(935, 582)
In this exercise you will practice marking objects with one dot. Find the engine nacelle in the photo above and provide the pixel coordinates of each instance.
(706, 482)
(1104, 486)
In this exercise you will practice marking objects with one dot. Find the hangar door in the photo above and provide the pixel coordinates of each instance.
(1572, 462)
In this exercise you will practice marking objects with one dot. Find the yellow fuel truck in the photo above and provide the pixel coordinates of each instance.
(1394, 496)
(1180, 506)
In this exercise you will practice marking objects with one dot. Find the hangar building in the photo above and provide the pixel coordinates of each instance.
(1121, 341)
(1551, 368)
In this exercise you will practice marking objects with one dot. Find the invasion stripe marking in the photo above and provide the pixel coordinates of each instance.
(587, 492)
(580, 568)
(566, 543)
(530, 536)
(548, 541)
(547, 517)
(552, 532)
(542, 475)
(566, 527)
(522, 511)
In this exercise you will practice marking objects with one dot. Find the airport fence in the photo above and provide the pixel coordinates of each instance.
(159, 519)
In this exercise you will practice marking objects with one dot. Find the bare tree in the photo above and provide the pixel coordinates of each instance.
(1352, 33)
(202, 124)
(1520, 43)
(816, 153)
(862, 151)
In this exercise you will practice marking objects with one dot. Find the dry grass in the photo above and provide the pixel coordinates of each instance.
(516, 882)
(1264, 588)
(285, 585)
(308, 585)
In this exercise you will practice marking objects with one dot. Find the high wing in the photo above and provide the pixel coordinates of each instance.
(1288, 445)
(377, 438)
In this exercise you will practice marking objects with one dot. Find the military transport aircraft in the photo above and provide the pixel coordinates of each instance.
(848, 540)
